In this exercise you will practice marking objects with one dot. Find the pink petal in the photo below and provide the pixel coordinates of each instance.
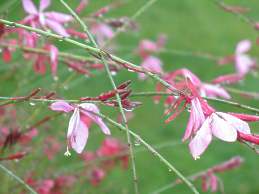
(81, 6)
(146, 47)
(44, 4)
(245, 117)
(58, 17)
(79, 137)
(215, 91)
(189, 128)
(93, 108)
(213, 183)
(198, 114)
(201, 140)
(222, 129)
(152, 64)
(42, 19)
(53, 58)
(243, 46)
(61, 106)
(74, 122)
(243, 64)
(102, 32)
(228, 78)
(237, 123)
(56, 27)
(29, 7)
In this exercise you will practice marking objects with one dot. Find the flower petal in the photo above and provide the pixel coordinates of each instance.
(74, 122)
(201, 140)
(56, 27)
(243, 64)
(29, 7)
(243, 46)
(93, 108)
(215, 91)
(58, 17)
(79, 138)
(237, 123)
(152, 64)
(61, 106)
(44, 4)
(188, 130)
(53, 58)
(198, 114)
(222, 129)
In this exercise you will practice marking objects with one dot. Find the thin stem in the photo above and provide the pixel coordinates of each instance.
(10, 100)
(242, 17)
(11, 174)
(62, 55)
(85, 28)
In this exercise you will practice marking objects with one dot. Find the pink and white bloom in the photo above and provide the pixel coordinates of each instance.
(77, 133)
(39, 18)
(152, 64)
(243, 62)
(221, 125)
(205, 89)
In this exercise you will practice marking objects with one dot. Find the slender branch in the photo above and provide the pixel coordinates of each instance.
(45, 52)
(11, 174)
(85, 28)
(242, 17)
(10, 100)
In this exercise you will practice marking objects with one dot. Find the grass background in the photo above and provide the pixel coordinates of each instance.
(191, 26)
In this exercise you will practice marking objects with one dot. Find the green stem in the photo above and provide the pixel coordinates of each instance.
(85, 28)
(11, 174)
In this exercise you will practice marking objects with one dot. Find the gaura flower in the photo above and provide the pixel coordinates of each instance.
(37, 17)
(221, 125)
(77, 133)
(205, 89)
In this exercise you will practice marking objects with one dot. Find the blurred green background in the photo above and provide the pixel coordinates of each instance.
(193, 26)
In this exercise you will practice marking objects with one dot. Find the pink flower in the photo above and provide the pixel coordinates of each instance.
(243, 62)
(77, 133)
(205, 89)
(152, 64)
(53, 20)
(96, 176)
(102, 32)
(221, 125)
(147, 47)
